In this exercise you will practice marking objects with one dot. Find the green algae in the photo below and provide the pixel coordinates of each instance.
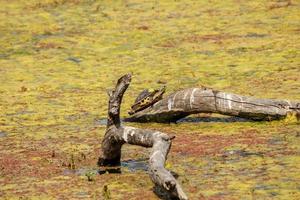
(58, 58)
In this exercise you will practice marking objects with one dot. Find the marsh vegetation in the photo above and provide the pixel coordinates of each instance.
(58, 58)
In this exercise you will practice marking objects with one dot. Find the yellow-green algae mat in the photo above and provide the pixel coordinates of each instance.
(58, 57)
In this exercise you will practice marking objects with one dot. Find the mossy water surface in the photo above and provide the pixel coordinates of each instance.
(58, 58)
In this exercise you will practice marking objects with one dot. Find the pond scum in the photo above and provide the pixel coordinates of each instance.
(58, 57)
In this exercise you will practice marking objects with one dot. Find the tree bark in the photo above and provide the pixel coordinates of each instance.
(205, 100)
(116, 135)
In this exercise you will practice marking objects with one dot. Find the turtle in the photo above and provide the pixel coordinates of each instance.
(147, 98)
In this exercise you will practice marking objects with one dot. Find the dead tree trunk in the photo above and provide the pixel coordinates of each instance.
(205, 100)
(117, 135)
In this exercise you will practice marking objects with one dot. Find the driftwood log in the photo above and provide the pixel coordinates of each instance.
(206, 100)
(116, 135)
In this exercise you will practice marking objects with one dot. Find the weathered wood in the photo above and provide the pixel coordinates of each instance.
(115, 99)
(205, 100)
(117, 135)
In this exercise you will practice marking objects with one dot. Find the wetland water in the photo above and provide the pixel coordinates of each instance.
(59, 57)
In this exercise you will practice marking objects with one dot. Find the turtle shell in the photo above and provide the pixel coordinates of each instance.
(142, 95)
(146, 99)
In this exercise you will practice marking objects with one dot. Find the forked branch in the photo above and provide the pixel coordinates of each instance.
(117, 135)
